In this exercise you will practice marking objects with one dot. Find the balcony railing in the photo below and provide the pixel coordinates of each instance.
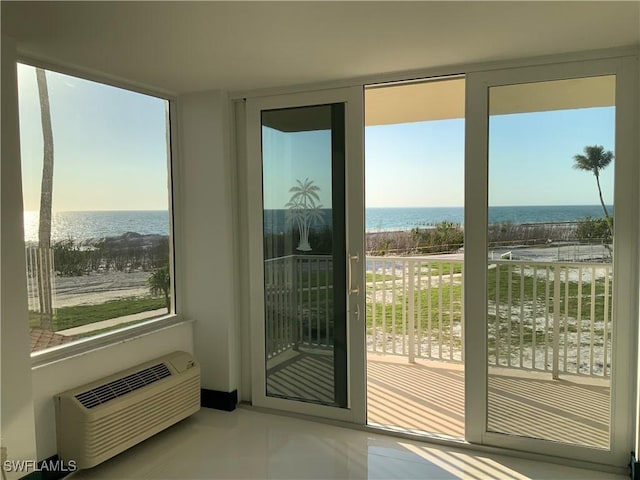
(550, 317)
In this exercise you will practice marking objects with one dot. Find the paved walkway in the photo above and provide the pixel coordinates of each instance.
(112, 322)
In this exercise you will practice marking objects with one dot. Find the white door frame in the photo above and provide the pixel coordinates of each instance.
(352, 98)
(624, 360)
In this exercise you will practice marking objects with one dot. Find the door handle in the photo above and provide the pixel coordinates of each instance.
(352, 290)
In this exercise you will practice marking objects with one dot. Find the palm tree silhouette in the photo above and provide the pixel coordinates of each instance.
(303, 210)
(595, 160)
(305, 193)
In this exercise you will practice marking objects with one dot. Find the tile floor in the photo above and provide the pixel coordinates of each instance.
(247, 444)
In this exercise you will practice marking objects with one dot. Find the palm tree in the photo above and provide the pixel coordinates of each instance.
(305, 193)
(304, 210)
(594, 160)
(160, 283)
(304, 218)
(45, 267)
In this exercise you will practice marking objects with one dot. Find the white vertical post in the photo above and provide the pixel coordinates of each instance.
(374, 330)
(605, 343)
(556, 322)
(411, 334)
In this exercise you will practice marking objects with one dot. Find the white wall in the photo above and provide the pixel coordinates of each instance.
(17, 425)
(206, 235)
(57, 377)
(28, 418)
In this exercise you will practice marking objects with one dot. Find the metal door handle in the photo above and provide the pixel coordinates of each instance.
(353, 291)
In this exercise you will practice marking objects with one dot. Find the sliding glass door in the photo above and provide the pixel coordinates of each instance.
(308, 333)
(551, 192)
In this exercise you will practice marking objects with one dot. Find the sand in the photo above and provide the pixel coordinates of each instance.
(96, 288)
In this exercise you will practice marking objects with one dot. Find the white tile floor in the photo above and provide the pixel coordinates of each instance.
(247, 444)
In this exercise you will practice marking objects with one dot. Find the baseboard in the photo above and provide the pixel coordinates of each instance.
(51, 468)
(634, 467)
(227, 401)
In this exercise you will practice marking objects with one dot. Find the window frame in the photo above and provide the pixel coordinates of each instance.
(624, 262)
(145, 327)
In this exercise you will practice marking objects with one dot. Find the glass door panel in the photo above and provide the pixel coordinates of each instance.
(305, 257)
(550, 259)
(303, 153)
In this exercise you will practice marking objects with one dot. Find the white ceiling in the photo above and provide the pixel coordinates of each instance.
(189, 46)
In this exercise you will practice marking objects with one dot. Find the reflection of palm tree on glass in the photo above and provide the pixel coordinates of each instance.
(304, 210)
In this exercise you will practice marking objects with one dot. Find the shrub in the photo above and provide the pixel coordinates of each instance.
(593, 229)
(160, 284)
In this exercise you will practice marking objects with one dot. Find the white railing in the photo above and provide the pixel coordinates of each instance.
(298, 302)
(419, 295)
(551, 317)
(34, 260)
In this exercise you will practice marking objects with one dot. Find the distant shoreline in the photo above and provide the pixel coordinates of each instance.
(142, 239)
(566, 224)
(82, 225)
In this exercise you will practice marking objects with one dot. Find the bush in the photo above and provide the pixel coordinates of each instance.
(594, 229)
(445, 237)
(160, 284)
(69, 259)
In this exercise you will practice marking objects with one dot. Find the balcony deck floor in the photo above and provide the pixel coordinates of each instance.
(428, 397)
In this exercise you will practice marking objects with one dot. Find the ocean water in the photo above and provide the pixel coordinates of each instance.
(380, 219)
(84, 225)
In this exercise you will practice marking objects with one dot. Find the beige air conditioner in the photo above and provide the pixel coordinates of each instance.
(96, 421)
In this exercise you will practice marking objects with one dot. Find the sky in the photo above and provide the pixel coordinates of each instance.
(289, 157)
(111, 154)
(421, 164)
(110, 147)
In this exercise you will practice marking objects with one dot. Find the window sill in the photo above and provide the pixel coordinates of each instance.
(84, 346)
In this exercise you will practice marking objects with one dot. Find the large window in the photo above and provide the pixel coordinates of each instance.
(96, 197)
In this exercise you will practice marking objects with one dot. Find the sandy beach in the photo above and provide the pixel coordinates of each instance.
(96, 288)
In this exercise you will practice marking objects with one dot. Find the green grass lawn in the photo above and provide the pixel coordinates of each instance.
(522, 293)
(433, 307)
(429, 306)
(69, 317)
(435, 269)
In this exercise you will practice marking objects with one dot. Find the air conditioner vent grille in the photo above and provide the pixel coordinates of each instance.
(122, 386)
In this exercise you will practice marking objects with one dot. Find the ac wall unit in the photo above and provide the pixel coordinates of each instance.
(96, 421)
